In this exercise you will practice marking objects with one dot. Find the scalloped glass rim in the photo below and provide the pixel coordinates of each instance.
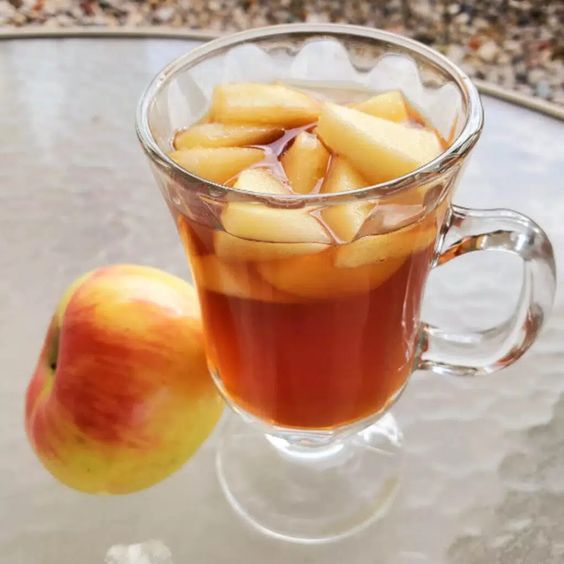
(458, 149)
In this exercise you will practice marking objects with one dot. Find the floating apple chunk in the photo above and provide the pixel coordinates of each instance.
(260, 180)
(397, 244)
(388, 105)
(317, 277)
(234, 248)
(344, 220)
(305, 162)
(276, 225)
(226, 135)
(250, 220)
(255, 103)
(217, 164)
(121, 396)
(378, 148)
(232, 279)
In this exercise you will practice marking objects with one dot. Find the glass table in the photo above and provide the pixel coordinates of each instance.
(484, 473)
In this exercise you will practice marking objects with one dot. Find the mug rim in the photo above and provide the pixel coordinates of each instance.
(457, 150)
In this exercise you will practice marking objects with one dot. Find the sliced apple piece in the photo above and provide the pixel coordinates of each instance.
(388, 105)
(259, 223)
(317, 277)
(217, 164)
(268, 225)
(232, 279)
(344, 220)
(260, 180)
(397, 244)
(342, 177)
(305, 162)
(379, 149)
(233, 248)
(254, 103)
(226, 135)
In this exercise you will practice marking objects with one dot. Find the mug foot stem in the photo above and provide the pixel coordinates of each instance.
(310, 494)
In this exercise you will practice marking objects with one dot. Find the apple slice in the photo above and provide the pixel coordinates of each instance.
(260, 180)
(397, 244)
(226, 135)
(273, 232)
(217, 164)
(233, 248)
(379, 149)
(342, 177)
(232, 279)
(344, 220)
(274, 225)
(388, 105)
(305, 162)
(317, 277)
(272, 104)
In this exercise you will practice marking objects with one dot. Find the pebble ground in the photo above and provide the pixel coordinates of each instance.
(517, 44)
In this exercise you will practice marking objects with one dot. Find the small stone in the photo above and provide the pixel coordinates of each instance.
(469, 69)
(462, 18)
(474, 42)
(424, 37)
(455, 53)
(481, 24)
(512, 46)
(18, 19)
(506, 77)
(7, 12)
(543, 90)
(134, 19)
(164, 14)
(488, 51)
(503, 58)
(535, 76)
(317, 18)
(558, 98)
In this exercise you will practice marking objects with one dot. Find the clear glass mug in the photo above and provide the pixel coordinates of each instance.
(311, 303)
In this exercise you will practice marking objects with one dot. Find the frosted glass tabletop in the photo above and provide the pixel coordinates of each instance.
(484, 475)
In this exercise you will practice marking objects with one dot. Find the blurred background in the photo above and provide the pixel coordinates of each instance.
(515, 44)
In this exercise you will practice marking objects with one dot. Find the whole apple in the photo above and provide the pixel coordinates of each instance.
(121, 396)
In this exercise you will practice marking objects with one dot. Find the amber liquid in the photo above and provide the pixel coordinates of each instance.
(300, 359)
(304, 362)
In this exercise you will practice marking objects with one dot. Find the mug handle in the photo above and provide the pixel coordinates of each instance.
(483, 352)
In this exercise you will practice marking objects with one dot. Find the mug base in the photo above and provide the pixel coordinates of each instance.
(311, 495)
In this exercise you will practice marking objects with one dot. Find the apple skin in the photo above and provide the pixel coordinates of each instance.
(121, 396)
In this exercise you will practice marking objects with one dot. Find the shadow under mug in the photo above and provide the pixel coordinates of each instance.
(311, 303)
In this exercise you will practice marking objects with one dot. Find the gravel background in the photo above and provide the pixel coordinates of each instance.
(518, 44)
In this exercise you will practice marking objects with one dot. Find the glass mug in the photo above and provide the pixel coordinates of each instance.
(311, 335)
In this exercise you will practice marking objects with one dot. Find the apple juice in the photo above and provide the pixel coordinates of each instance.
(311, 314)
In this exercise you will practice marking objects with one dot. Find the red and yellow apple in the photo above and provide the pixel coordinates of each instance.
(121, 396)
